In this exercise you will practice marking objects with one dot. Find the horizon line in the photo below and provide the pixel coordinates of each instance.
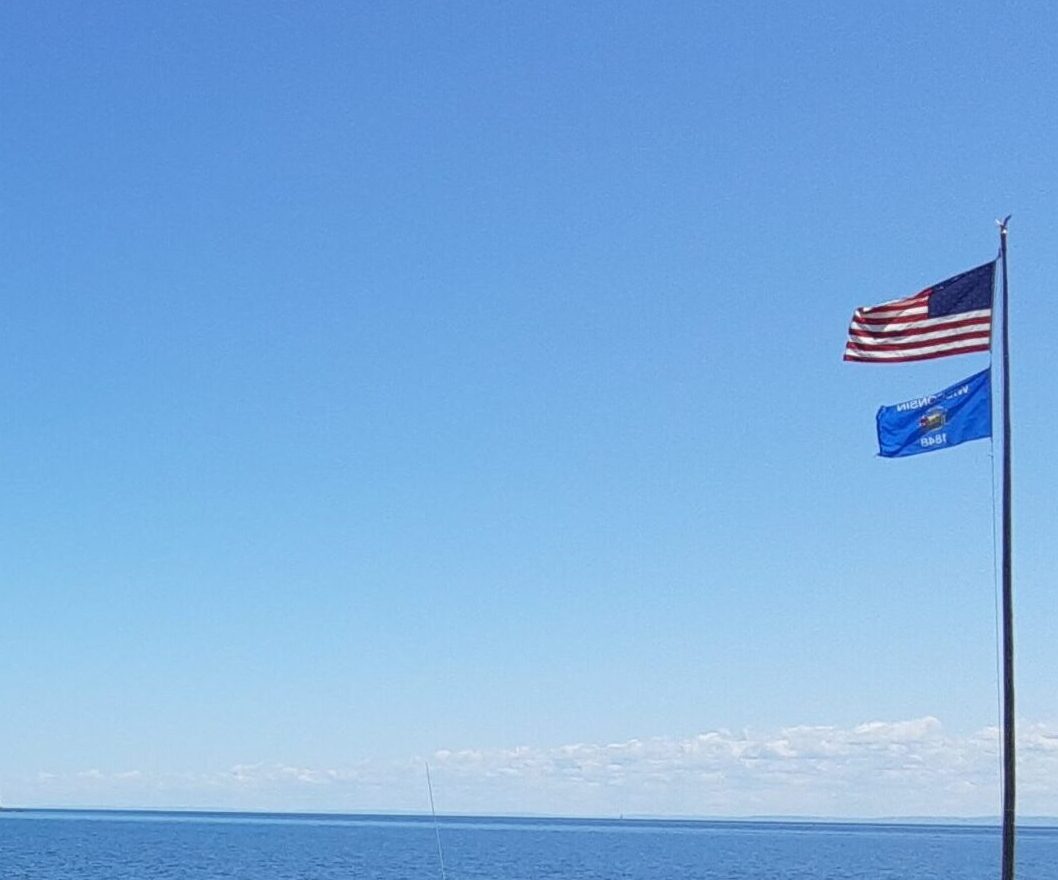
(986, 821)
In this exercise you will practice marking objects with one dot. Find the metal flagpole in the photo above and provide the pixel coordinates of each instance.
(1008, 593)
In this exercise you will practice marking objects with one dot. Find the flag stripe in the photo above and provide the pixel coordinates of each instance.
(911, 317)
(897, 304)
(923, 328)
(888, 350)
(919, 311)
(909, 358)
(889, 345)
(903, 305)
(905, 317)
(896, 357)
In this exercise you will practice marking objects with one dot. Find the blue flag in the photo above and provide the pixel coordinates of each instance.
(936, 421)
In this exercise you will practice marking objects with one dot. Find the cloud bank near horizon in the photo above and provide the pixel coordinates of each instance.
(875, 769)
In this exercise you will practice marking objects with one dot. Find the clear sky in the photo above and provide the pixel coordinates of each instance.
(384, 381)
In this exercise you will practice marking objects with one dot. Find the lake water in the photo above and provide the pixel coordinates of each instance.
(59, 845)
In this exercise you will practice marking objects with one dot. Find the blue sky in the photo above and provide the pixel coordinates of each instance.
(382, 380)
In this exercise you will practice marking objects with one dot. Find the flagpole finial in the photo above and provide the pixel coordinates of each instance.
(1002, 224)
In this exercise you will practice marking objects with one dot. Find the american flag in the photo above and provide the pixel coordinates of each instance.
(952, 317)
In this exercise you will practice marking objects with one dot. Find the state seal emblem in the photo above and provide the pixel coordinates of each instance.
(933, 420)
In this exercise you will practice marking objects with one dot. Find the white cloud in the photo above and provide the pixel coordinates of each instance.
(879, 768)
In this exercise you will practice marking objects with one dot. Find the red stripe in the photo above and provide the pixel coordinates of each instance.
(899, 304)
(918, 343)
(895, 319)
(914, 331)
(917, 357)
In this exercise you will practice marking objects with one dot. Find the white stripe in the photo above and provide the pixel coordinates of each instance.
(895, 313)
(897, 303)
(913, 352)
(981, 317)
(983, 329)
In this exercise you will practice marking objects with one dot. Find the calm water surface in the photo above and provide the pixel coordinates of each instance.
(35, 845)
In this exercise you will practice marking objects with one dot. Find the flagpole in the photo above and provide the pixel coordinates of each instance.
(1008, 593)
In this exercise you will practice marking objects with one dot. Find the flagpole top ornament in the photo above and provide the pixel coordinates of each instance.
(1002, 224)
